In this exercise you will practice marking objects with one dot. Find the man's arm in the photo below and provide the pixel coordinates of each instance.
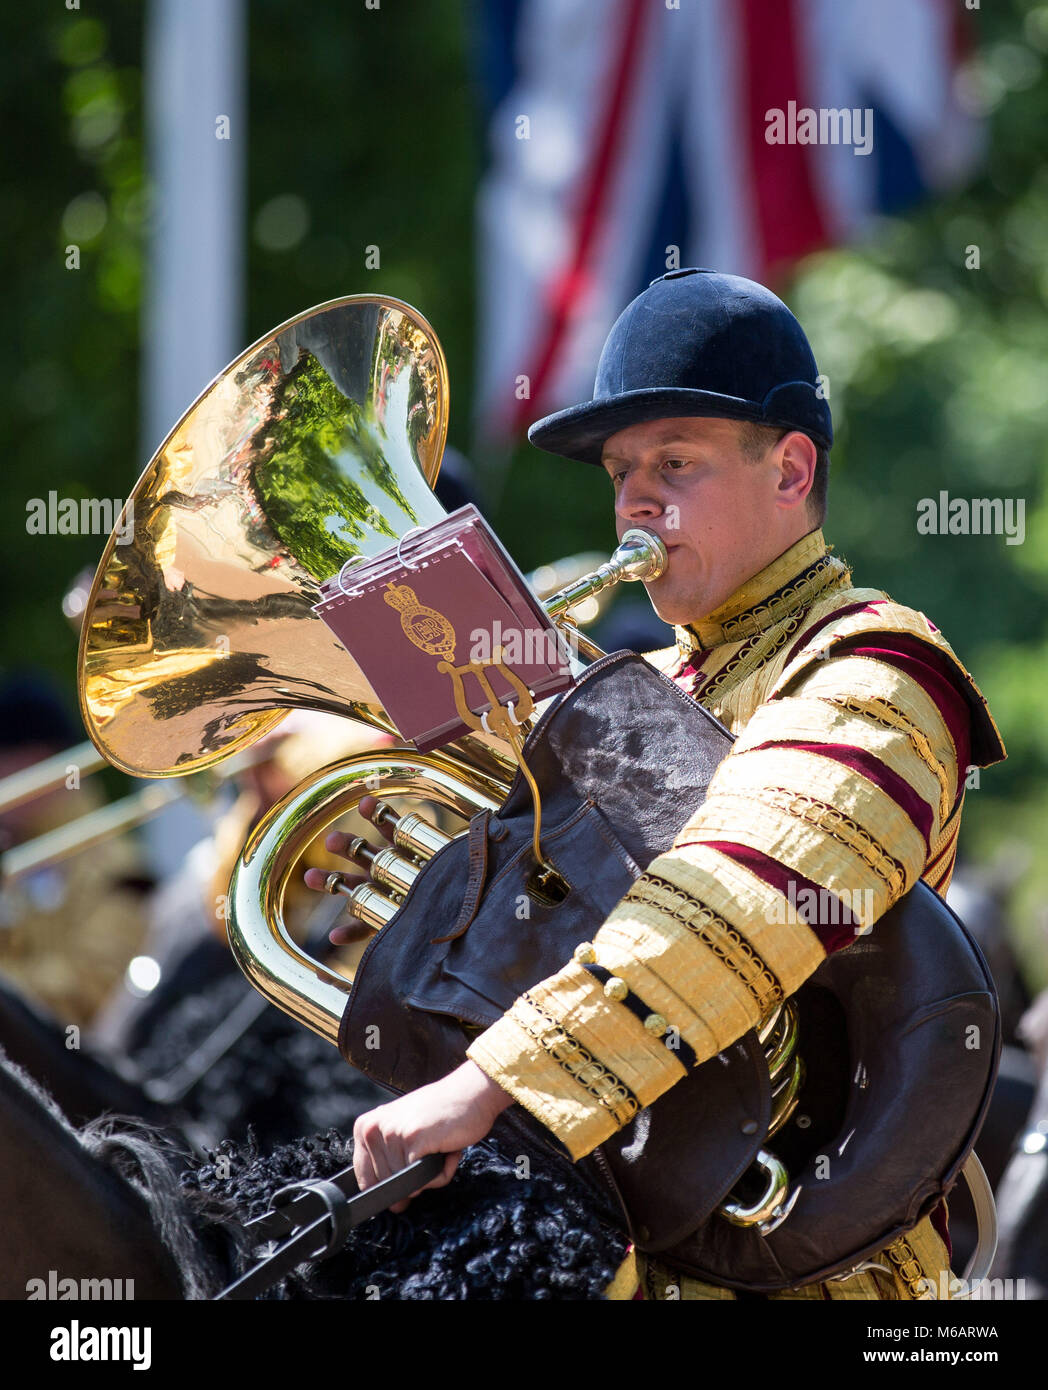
(846, 781)
(839, 790)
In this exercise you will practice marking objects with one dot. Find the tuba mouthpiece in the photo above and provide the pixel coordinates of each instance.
(640, 555)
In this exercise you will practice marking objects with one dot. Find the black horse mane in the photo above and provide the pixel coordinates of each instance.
(503, 1229)
(491, 1234)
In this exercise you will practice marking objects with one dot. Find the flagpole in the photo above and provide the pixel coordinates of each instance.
(197, 144)
(192, 323)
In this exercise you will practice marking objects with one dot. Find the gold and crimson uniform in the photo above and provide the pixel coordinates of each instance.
(855, 728)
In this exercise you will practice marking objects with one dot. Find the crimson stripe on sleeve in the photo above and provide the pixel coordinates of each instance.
(874, 770)
(936, 675)
(833, 617)
(839, 927)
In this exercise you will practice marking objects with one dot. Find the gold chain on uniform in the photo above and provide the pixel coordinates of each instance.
(908, 1268)
(805, 590)
(751, 658)
(580, 1064)
(838, 826)
(758, 653)
(889, 716)
(726, 943)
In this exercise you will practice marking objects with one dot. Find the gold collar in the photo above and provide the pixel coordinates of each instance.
(791, 582)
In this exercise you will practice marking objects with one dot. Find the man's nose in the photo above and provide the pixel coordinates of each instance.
(637, 499)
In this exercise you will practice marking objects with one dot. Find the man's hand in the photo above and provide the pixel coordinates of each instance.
(351, 928)
(445, 1117)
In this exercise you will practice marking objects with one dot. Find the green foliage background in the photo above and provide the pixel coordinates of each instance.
(368, 122)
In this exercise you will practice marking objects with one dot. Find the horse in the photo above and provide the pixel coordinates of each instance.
(118, 1199)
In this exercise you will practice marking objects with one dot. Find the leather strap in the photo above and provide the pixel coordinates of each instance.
(478, 873)
(317, 1217)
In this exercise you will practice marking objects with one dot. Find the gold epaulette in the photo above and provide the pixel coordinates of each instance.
(887, 618)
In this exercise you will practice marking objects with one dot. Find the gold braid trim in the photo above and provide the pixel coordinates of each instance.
(580, 1064)
(844, 830)
(944, 851)
(727, 944)
(883, 712)
(949, 830)
(939, 878)
(908, 1268)
(827, 574)
(756, 653)
(792, 579)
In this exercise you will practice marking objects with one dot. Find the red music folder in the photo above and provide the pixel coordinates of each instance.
(447, 594)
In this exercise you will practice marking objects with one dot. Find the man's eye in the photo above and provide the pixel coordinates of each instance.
(677, 463)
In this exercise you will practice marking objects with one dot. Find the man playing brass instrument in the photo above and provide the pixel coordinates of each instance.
(855, 723)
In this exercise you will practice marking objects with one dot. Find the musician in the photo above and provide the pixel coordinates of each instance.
(68, 929)
(856, 723)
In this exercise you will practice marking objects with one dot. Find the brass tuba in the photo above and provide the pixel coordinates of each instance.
(317, 445)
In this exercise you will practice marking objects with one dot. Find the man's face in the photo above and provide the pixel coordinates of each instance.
(722, 514)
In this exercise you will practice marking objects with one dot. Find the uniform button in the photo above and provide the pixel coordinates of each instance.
(750, 1127)
(616, 989)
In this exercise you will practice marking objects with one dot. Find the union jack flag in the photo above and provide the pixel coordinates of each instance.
(628, 137)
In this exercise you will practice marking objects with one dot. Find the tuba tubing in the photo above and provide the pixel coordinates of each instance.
(279, 969)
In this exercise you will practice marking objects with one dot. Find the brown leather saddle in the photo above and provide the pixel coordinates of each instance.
(899, 1031)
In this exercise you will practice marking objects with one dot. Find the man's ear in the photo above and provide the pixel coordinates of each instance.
(797, 455)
